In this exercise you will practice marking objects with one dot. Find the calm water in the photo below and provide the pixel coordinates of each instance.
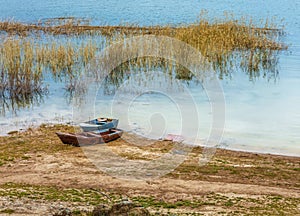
(261, 116)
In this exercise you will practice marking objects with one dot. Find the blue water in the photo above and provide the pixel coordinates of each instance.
(261, 116)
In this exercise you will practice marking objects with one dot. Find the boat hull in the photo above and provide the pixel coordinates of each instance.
(89, 138)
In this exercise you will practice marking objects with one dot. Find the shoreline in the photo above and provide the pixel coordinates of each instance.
(227, 147)
(41, 173)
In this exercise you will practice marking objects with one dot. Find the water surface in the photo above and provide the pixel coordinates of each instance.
(261, 115)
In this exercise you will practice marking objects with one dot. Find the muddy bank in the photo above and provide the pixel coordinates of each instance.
(39, 173)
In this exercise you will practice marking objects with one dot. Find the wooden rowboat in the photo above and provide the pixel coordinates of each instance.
(89, 138)
(99, 124)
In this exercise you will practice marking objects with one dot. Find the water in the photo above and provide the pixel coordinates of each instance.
(262, 116)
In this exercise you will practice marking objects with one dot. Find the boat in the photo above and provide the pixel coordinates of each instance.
(90, 138)
(99, 124)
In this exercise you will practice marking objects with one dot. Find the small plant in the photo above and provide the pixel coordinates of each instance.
(7, 211)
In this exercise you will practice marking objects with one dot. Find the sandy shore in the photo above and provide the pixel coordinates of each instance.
(39, 174)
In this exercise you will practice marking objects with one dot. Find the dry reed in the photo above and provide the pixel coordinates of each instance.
(25, 59)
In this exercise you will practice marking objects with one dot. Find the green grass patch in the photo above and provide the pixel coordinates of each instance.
(262, 205)
(53, 193)
(39, 141)
(7, 211)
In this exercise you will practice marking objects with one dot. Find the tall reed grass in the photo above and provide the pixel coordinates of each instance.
(19, 73)
(27, 53)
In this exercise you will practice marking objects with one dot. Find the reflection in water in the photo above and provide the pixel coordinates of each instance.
(254, 67)
(142, 68)
(75, 88)
(261, 64)
(13, 103)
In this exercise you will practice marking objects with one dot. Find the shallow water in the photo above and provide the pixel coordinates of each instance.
(261, 116)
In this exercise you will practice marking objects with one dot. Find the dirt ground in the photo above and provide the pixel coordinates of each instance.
(39, 174)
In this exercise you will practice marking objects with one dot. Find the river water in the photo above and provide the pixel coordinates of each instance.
(260, 116)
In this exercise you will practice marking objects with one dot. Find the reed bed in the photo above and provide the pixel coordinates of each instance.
(19, 73)
(24, 63)
(227, 35)
(28, 51)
